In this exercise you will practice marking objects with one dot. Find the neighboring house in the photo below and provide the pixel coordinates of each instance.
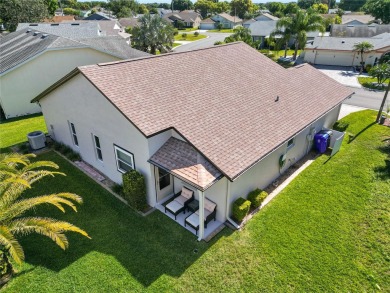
(190, 19)
(227, 20)
(359, 31)
(357, 19)
(261, 31)
(129, 22)
(248, 23)
(219, 137)
(80, 29)
(60, 18)
(207, 24)
(339, 51)
(30, 61)
(266, 17)
(98, 16)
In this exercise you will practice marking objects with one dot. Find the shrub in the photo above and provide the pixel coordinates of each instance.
(176, 32)
(256, 197)
(57, 146)
(134, 189)
(340, 126)
(218, 43)
(368, 67)
(241, 208)
(23, 148)
(73, 156)
(117, 188)
(184, 35)
(196, 34)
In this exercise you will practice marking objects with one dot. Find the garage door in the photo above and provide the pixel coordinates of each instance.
(207, 26)
(334, 58)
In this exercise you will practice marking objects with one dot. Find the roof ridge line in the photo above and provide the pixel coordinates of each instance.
(162, 55)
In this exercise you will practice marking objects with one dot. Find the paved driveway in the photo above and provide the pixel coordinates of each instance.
(344, 75)
(203, 43)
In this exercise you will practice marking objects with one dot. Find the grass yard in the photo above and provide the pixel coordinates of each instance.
(328, 231)
(15, 130)
(367, 82)
(226, 30)
(176, 44)
(190, 37)
(188, 29)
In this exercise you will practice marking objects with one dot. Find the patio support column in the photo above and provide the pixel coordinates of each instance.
(201, 215)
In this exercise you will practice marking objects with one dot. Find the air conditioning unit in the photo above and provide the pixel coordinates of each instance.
(37, 140)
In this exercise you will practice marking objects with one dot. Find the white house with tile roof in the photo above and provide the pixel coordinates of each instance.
(220, 138)
(30, 61)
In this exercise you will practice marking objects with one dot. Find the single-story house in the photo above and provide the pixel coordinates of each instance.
(207, 24)
(227, 20)
(266, 17)
(339, 51)
(359, 31)
(220, 138)
(31, 60)
(357, 19)
(190, 19)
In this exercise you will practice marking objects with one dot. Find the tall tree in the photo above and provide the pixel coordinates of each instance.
(386, 75)
(275, 7)
(305, 4)
(299, 25)
(152, 34)
(380, 9)
(352, 5)
(240, 34)
(15, 11)
(123, 8)
(320, 8)
(182, 5)
(290, 8)
(363, 47)
(241, 7)
(205, 7)
(17, 174)
(52, 6)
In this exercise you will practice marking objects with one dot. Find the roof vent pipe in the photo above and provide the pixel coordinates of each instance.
(28, 31)
(44, 36)
(35, 33)
(277, 99)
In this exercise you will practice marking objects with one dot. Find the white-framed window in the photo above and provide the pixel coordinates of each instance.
(290, 143)
(74, 134)
(98, 149)
(124, 159)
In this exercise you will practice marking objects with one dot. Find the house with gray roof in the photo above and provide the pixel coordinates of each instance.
(99, 16)
(339, 51)
(207, 24)
(189, 18)
(31, 60)
(359, 31)
(357, 19)
(227, 20)
(211, 143)
(266, 17)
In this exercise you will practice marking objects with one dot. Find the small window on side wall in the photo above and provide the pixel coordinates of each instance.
(290, 143)
(74, 134)
(98, 149)
(124, 159)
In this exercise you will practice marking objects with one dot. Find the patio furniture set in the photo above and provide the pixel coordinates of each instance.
(185, 200)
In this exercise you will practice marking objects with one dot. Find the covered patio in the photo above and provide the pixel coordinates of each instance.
(182, 176)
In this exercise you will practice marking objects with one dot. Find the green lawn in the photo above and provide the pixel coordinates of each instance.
(226, 30)
(188, 29)
(328, 231)
(15, 130)
(176, 44)
(367, 82)
(190, 37)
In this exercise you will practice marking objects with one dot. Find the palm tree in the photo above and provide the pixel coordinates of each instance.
(362, 47)
(152, 34)
(17, 174)
(299, 24)
(282, 37)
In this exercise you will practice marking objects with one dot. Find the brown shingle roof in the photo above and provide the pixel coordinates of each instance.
(183, 161)
(231, 117)
(229, 17)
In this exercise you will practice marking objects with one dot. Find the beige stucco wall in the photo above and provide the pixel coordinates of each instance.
(79, 102)
(19, 86)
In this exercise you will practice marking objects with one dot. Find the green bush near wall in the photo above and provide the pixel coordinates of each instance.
(256, 197)
(340, 126)
(134, 189)
(241, 208)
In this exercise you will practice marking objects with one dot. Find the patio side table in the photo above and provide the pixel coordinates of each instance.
(193, 206)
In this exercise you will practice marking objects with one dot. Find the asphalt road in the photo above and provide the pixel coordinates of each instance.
(367, 99)
(203, 43)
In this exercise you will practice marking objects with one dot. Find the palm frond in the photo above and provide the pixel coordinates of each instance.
(39, 164)
(45, 226)
(8, 240)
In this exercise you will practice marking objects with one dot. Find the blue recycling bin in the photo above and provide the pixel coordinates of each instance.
(321, 141)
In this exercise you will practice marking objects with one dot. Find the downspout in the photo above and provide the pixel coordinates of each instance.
(228, 206)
